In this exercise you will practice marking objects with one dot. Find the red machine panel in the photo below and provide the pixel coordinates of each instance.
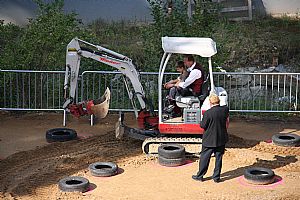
(180, 128)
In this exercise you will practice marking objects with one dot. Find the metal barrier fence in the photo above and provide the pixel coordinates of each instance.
(43, 90)
(94, 83)
(31, 90)
(260, 92)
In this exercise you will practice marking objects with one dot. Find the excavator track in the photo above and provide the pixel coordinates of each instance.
(192, 145)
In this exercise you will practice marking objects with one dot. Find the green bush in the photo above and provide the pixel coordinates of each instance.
(41, 45)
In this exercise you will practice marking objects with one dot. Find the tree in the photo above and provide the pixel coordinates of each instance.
(9, 37)
(171, 19)
(42, 44)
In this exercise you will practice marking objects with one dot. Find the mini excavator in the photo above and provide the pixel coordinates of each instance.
(153, 127)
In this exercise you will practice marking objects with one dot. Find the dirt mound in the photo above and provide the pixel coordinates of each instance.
(274, 149)
(263, 146)
(279, 157)
(23, 172)
(238, 142)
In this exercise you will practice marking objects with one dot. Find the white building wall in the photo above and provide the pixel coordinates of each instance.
(282, 7)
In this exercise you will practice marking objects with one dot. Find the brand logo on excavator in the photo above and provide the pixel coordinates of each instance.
(109, 61)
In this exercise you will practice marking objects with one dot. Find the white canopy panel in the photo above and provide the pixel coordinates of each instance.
(204, 47)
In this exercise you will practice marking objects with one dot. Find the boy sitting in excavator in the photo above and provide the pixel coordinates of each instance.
(189, 83)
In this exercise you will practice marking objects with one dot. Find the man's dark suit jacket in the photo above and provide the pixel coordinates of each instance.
(214, 124)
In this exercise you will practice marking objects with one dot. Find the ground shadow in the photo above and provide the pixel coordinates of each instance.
(91, 187)
(238, 142)
(120, 171)
(280, 161)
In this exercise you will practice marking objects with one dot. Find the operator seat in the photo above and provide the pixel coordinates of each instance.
(194, 101)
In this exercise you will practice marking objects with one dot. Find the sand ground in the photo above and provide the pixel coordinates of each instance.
(30, 168)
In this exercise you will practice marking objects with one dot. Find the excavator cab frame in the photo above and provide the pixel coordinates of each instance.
(192, 106)
(184, 130)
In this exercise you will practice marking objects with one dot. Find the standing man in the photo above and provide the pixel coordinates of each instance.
(193, 83)
(214, 138)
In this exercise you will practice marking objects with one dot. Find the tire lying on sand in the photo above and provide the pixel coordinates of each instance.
(171, 162)
(171, 151)
(171, 155)
(259, 176)
(103, 169)
(74, 184)
(60, 135)
(287, 140)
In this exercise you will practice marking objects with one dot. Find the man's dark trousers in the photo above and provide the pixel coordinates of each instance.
(205, 158)
(184, 91)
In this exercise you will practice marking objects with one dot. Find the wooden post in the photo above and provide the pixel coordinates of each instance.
(189, 11)
(250, 9)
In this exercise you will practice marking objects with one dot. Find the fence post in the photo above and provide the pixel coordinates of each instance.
(250, 9)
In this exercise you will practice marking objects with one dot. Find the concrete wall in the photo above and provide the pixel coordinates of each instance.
(279, 7)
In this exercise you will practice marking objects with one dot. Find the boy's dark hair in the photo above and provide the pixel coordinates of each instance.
(189, 57)
(180, 64)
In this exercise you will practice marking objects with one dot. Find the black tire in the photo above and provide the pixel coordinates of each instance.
(74, 184)
(287, 140)
(60, 135)
(103, 169)
(171, 151)
(171, 162)
(259, 175)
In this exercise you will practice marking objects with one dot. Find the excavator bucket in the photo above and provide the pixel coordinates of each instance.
(100, 106)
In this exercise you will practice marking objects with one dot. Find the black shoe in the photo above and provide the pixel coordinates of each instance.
(217, 180)
(166, 116)
(196, 178)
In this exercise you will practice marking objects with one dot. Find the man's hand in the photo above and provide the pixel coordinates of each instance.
(168, 85)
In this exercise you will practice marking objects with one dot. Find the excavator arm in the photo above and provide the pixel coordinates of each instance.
(77, 49)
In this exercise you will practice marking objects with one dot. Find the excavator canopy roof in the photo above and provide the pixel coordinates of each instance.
(204, 47)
